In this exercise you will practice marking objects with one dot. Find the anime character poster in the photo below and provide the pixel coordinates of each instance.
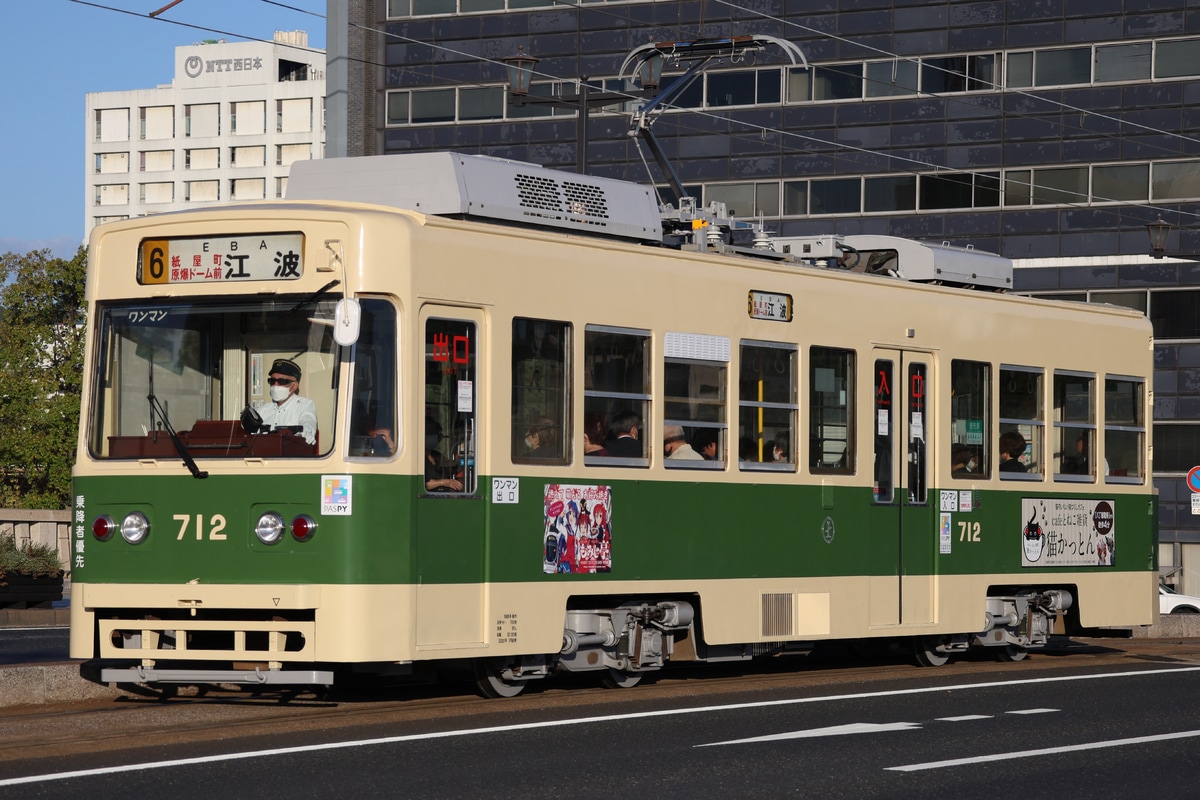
(577, 529)
(1068, 532)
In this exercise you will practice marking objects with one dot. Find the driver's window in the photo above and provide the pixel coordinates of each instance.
(373, 431)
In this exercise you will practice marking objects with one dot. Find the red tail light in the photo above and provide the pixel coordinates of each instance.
(303, 528)
(103, 527)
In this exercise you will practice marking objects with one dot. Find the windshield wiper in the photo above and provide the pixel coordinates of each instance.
(315, 296)
(156, 407)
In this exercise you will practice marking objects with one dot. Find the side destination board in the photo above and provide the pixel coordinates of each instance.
(273, 257)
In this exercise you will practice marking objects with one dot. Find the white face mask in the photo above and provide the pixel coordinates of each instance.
(279, 393)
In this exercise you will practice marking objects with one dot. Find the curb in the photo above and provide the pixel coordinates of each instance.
(29, 685)
(35, 617)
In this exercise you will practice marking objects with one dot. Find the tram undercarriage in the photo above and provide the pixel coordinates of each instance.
(623, 640)
(631, 640)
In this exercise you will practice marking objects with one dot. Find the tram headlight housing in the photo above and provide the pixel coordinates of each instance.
(270, 528)
(135, 527)
(103, 527)
(303, 528)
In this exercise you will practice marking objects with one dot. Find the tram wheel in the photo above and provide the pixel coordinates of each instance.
(490, 680)
(926, 652)
(619, 679)
(1011, 653)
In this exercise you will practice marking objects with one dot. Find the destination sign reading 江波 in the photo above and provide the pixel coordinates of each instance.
(765, 305)
(219, 259)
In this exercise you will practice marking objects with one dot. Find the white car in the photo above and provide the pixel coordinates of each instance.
(1171, 602)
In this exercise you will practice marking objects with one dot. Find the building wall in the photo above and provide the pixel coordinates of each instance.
(226, 128)
(1051, 132)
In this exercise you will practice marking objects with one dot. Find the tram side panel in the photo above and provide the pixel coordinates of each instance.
(673, 528)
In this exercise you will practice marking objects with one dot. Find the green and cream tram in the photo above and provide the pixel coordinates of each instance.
(501, 357)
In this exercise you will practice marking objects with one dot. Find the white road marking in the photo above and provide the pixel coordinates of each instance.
(836, 730)
(1045, 751)
(865, 727)
(417, 737)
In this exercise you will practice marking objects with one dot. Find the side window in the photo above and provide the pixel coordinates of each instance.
(373, 396)
(831, 411)
(1022, 423)
(918, 468)
(450, 390)
(540, 391)
(767, 406)
(1075, 425)
(694, 380)
(1124, 429)
(885, 427)
(970, 407)
(616, 396)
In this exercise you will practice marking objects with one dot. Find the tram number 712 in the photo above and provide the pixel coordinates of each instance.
(968, 531)
(216, 524)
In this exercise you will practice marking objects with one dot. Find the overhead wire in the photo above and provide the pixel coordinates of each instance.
(838, 148)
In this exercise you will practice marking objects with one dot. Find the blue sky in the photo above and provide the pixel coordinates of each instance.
(55, 52)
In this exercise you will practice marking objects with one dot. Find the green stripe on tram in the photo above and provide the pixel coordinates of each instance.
(660, 530)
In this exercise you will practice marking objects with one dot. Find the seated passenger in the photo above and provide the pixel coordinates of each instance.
(541, 438)
(779, 451)
(704, 442)
(675, 445)
(962, 462)
(625, 434)
(439, 476)
(372, 434)
(287, 409)
(593, 434)
(1012, 447)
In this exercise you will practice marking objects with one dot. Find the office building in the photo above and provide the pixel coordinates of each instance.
(1049, 132)
(226, 128)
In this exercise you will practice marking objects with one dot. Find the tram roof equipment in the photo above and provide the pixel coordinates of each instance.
(483, 187)
(503, 190)
(906, 259)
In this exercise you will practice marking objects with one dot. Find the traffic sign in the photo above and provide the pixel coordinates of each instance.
(1193, 479)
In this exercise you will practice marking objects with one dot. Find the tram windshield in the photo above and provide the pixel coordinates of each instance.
(193, 369)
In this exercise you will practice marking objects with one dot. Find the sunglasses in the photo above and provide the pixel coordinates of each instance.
(280, 381)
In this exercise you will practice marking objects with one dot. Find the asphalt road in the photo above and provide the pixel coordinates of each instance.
(34, 645)
(1091, 720)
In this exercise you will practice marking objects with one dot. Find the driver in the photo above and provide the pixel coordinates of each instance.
(287, 408)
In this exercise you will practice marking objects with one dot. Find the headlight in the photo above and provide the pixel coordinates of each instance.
(135, 527)
(270, 528)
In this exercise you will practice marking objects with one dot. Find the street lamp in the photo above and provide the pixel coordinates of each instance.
(520, 72)
(1160, 231)
(650, 73)
(520, 75)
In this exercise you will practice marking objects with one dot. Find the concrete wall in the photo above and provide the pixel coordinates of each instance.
(41, 527)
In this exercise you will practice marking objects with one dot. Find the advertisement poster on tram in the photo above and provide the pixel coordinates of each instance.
(577, 532)
(1068, 532)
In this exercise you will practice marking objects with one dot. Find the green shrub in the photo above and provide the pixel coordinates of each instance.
(36, 560)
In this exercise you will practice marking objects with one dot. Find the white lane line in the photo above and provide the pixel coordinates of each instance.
(1045, 751)
(1035, 711)
(304, 749)
(836, 730)
(963, 718)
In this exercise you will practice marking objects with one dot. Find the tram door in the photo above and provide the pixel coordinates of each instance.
(903, 535)
(450, 506)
